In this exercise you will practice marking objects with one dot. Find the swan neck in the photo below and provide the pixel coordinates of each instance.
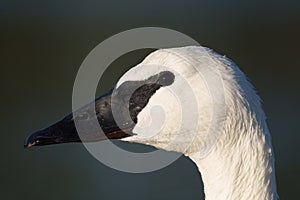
(239, 172)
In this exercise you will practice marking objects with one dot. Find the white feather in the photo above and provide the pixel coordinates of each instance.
(237, 161)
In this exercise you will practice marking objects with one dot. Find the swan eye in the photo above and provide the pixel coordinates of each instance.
(165, 78)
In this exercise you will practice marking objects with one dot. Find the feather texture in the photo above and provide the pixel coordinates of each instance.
(236, 160)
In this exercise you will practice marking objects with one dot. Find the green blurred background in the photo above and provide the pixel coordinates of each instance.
(43, 44)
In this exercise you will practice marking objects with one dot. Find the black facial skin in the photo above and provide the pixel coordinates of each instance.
(126, 101)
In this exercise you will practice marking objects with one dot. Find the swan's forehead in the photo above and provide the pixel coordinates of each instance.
(146, 73)
(133, 81)
(157, 62)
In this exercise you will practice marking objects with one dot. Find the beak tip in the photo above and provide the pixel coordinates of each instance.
(27, 145)
(28, 142)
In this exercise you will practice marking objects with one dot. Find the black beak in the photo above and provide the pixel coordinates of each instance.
(64, 131)
(116, 112)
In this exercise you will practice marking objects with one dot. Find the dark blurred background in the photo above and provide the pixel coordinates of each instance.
(43, 44)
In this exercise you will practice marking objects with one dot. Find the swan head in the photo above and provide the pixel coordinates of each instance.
(173, 100)
(189, 100)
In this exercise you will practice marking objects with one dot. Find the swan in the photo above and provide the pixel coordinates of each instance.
(236, 161)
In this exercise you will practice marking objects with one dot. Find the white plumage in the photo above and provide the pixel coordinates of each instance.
(236, 161)
(193, 101)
